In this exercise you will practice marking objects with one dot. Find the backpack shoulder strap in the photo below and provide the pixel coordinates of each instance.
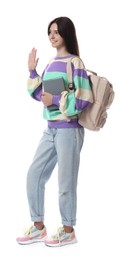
(69, 74)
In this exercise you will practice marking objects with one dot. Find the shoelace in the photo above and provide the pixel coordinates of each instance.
(60, 232)
(27, 231)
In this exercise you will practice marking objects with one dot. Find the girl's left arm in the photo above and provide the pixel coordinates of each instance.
(73, 103)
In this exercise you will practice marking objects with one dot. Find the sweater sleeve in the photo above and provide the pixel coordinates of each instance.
(75, 102)
(34, 85)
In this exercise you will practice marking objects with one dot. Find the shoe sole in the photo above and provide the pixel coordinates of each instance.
(28, 242)
(74, 241)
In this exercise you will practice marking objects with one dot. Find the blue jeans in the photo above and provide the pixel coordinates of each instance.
(60, 146)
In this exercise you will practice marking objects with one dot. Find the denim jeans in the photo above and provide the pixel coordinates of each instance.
(60, 146)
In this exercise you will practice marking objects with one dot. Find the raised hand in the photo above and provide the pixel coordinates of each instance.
(32, 59)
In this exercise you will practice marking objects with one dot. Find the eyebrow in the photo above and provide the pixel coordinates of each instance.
(53, 30)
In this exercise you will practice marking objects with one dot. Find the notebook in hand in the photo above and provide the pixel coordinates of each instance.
(55, 87)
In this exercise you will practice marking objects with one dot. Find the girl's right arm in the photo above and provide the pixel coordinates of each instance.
(34, 83)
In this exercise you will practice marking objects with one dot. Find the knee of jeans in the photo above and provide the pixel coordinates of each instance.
(64, 192)
(31, 179)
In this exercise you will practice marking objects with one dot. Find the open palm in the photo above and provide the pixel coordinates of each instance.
(32, 60)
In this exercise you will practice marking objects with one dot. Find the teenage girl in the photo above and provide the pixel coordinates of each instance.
(62, 140)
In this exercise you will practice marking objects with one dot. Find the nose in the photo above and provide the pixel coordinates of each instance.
(52, 35)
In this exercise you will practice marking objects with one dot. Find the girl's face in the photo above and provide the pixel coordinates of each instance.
(56, 40)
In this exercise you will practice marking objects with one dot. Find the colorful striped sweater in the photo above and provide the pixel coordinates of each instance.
(73, 102)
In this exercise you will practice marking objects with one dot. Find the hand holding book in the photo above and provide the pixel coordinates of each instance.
(46, 98)
(52, 87)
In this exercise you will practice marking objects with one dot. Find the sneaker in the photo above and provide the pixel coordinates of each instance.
(32, 235)
(61, 238)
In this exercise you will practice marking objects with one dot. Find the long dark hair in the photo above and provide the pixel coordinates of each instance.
(67, 31)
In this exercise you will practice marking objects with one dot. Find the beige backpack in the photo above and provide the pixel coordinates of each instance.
(95, 115)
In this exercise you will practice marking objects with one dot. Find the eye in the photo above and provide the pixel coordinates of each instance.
(56, 32)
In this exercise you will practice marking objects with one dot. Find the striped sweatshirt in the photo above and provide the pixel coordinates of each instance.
(69, 104)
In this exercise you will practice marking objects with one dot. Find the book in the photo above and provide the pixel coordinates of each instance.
(55, 87)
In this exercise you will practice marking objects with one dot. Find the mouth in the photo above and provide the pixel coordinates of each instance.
(53, 41)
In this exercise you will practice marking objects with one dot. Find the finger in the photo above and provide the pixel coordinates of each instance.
(33, 53)
(37, 61)
(33, 49)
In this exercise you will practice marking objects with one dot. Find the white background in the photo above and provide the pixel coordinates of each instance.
(103, 188)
